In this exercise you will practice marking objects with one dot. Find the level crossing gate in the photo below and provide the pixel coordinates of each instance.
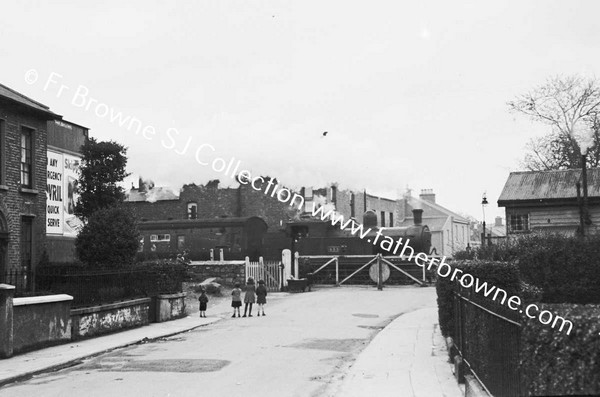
(360, 269)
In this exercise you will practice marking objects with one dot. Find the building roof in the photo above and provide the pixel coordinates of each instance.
(434, 210)
(548, 185)
(152, 195)
(200, 223)
(17, 97)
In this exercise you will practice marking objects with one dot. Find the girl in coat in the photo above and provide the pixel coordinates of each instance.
(203, 299)
(250, 296)
(236, 300)
(261, 296)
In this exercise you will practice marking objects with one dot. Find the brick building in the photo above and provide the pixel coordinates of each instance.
(23, 145)
(205, 202)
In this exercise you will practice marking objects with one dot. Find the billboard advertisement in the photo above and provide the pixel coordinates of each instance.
(61, 196)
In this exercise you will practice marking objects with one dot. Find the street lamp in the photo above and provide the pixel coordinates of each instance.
(484, 202)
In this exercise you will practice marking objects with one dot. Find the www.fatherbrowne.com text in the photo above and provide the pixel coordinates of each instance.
(443, 269)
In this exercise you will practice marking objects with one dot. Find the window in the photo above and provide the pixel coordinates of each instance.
(334, 194)
(308, 193)
(382, 218)
(352, 206)
(180, 242)
(26, 157)
(518, 223)
(391, 219)
(160, 237)
(192, 211)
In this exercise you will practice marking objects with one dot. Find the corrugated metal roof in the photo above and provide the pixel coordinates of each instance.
(22, 99)
(540, 185)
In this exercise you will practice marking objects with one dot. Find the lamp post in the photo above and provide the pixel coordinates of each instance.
(484, 202)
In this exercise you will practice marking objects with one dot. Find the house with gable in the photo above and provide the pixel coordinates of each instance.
(450, 232)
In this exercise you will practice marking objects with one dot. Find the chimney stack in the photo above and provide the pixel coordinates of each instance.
(427, 195)
(417, 216)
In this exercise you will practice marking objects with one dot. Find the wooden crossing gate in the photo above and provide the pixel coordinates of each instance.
(269, 271)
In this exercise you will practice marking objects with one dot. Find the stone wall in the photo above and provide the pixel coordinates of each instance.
(97, 320)
(41, 321)
(230, 272)
(169, 307)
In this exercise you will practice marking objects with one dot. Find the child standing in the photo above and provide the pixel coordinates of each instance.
(203, 299)
(236, 300)
(261, 296)
(249, 296)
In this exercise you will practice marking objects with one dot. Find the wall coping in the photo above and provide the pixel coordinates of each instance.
(171, 296)
(109, 306)
(212, 263)
(38, 300)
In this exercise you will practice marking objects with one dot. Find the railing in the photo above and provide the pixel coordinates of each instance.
(269, 272)
(488, 342)
(104, 286)
(20, 278)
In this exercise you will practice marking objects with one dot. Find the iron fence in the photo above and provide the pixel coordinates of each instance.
(93, 287)
(22, 279)
(488, 340)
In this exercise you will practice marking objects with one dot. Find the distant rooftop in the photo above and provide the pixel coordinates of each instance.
(548, 185)
(152, 195)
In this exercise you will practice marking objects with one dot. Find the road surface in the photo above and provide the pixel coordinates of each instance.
(302, 347)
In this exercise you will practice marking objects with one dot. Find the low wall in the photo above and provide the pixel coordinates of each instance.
(169, 307)
(97, 320)
(230, 272)
(41, 321)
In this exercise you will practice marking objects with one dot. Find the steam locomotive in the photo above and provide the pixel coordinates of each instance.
(313, 237)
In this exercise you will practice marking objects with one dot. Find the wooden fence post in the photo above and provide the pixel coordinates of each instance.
(337, 271)
(221, 255)
(296, 269)
(212, 254)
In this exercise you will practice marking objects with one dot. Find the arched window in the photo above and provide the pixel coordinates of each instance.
(192, 210)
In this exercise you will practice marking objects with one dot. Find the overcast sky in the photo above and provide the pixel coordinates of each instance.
(411, 93)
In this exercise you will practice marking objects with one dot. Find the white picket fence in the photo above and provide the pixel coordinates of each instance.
(270, 272)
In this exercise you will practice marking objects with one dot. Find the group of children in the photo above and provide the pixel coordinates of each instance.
(252, 295)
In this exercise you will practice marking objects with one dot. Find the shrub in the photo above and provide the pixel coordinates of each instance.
(109, 239)
(502, 275)
(566, 269)
(554, 363)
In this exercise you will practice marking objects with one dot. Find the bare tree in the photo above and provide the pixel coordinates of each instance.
(571, 107)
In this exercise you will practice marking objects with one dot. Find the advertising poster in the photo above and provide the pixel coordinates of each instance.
(62, 176)
(72, 224)
(54, 193)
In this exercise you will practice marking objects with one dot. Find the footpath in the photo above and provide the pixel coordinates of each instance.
(407, 358)
(25, 365)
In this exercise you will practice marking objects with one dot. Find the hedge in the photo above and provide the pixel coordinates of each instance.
(554, 363)
(502, 275)
(565, 268)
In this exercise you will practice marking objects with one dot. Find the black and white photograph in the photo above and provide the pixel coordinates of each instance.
(285, 198)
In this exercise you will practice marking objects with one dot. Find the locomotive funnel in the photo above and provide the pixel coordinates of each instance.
(418, 216)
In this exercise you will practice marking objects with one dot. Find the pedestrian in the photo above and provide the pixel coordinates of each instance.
(249, 296)
(236, 299)
(261, 296)
(203, 299)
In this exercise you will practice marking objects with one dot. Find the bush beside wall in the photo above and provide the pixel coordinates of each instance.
(554, 363)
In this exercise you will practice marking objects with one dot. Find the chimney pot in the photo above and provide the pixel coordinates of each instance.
(427, 195)
(417, 216)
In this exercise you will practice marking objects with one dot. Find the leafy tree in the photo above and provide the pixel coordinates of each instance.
(570, 106)
(102, 168)
(110, 238)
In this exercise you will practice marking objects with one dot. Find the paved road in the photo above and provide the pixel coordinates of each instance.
(303, 347)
